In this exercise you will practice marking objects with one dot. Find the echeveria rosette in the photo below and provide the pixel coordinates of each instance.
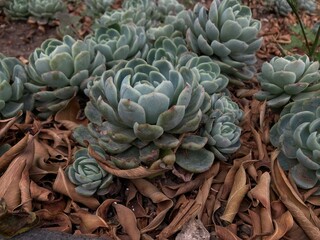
(87, 175)
(151, 99)
(16, 9)
(207, 72)
(141, 113)
(169, 48)
(221, 126)
(59, 69)
(282, 7)
(297, 136)
(290, 78)
(13, 95)
(123, 42)
(44, 10)
(226, 32)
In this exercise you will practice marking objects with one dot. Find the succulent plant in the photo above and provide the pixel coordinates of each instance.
(167, 48)
(282, 7)
(13, 95)
(59, 69)
(142, 114)
(227, 32)
(44, 10)
(16, 9)
(87, 175)
(296, 135)
(207, 72)
(309, 6)
(98, 7)
(121, 43)
(288, 78)
(222, 126)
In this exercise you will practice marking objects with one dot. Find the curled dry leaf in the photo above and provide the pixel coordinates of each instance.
(6, 124)
(8, 156)
(55, 221)
(14, 183)
(127, 220)
(261, 192)
(225, 234)
(164, 204)
(135, 173)
(39, 193)
(64, 186)
(238, 192)
(88, 222)
(70, 115)
(282, 225)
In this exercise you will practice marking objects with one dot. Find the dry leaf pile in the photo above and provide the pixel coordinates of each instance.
(248, 198)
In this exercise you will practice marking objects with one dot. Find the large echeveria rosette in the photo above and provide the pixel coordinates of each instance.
(13, 95)
(297, 135)
(290, 78)
(226, 32)
(87, 175)
(144, 111)
(221, 126)
(59, 69)
(121, 42)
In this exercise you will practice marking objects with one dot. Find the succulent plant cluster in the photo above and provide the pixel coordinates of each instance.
(296, 135)
(226, 32)
(98, 7)
(58, 69)
(289, 78)
(87, 175)
(42, 10)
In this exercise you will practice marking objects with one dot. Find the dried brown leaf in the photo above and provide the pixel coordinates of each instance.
(164, 204)
(69, 116)
(6, 124)
(64, 186)
(39, 193)
(128, 221)
(282, 226)
(238, 192)
(55, 221)
(88, 222)
(261, 192)
(8, 156)
(225, 234)
(14, 183)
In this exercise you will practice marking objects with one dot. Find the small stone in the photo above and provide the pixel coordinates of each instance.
(193, 230)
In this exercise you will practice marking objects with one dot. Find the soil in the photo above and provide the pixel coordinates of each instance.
(20, 38)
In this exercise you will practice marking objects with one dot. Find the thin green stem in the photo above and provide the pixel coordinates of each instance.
(295, 11)
(316, 42)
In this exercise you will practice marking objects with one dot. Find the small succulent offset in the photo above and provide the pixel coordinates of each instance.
(221, 126)
(44, 10)
(289, 78)
(121, 42)
(296, 135)
(309, 6)
(16, 9)
(13, 95)
(146, 113)
(87, 175)
(59, 69)
(226, 32)
(282, 7)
